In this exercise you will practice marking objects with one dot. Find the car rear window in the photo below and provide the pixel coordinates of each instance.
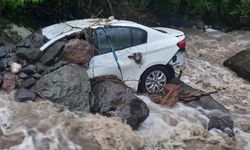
(139, 36)
(120, 38)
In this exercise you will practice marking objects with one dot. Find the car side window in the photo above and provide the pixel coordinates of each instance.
(139, 36)
(120, 38)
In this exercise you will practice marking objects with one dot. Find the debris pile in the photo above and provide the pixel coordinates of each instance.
(174, 93)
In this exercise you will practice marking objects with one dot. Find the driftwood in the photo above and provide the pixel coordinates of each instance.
(174, 94)
(195, 95)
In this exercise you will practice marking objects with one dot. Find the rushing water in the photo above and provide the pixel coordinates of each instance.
(42, 125)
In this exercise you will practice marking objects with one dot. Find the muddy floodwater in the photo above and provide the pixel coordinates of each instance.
(183, 127)
(42, 125)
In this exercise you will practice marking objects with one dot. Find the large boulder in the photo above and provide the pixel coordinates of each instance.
(68, 86)
(78, 51)
(49, 56)
(116, 99)
(240, 64)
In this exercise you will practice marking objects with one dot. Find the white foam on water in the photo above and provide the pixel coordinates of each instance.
(171, 128)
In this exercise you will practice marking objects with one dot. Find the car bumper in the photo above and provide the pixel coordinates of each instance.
(178, 58)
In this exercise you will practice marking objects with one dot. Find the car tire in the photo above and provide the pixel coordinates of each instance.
(156, 76)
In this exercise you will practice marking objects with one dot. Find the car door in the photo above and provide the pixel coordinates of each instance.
(104, 63)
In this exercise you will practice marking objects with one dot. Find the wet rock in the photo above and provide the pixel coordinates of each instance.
(37, 76)
(115, 99)
(1, 80)
(40, 68)
(1, 66)
(29, 70)
(23, 75)
(240, 64)
(222, 122)
(28, 82)
(35, 40)
(23, 62)
(49, 56)
(23, 95)
(78, 51)
(2, 43)
(9, 82)
(15, 67)
(68, 86)
(31, 54)
(5, 62)
(14, 57)
(4, 50)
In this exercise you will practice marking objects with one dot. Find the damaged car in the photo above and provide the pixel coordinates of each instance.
(143, 57)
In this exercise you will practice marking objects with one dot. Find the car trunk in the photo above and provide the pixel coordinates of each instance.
(169, 31)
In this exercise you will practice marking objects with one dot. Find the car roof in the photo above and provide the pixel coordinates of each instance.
(60, 30)
(77, 25)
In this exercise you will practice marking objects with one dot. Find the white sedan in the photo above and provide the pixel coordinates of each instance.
(143, 57)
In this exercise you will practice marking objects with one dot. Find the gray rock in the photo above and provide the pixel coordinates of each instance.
(35, 40)
(29, 70)
(115, 99)
(49, 56)
(1, 80)
(23, 75)
(240, 64)
(40, 68)
(23, 95)
(222, 122)
(4, 50)
(28, 82)
(31, 54)
(218, 120)
(37, 76)
(14, 57)
(2, 43)
(1, 66)
(6, 62)
(68, 86)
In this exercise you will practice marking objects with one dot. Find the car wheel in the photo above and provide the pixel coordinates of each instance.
(154, 78)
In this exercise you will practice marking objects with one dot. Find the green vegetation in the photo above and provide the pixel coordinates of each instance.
(233, 13)
(8, 35)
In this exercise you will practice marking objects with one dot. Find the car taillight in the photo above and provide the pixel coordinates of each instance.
(182, 44)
